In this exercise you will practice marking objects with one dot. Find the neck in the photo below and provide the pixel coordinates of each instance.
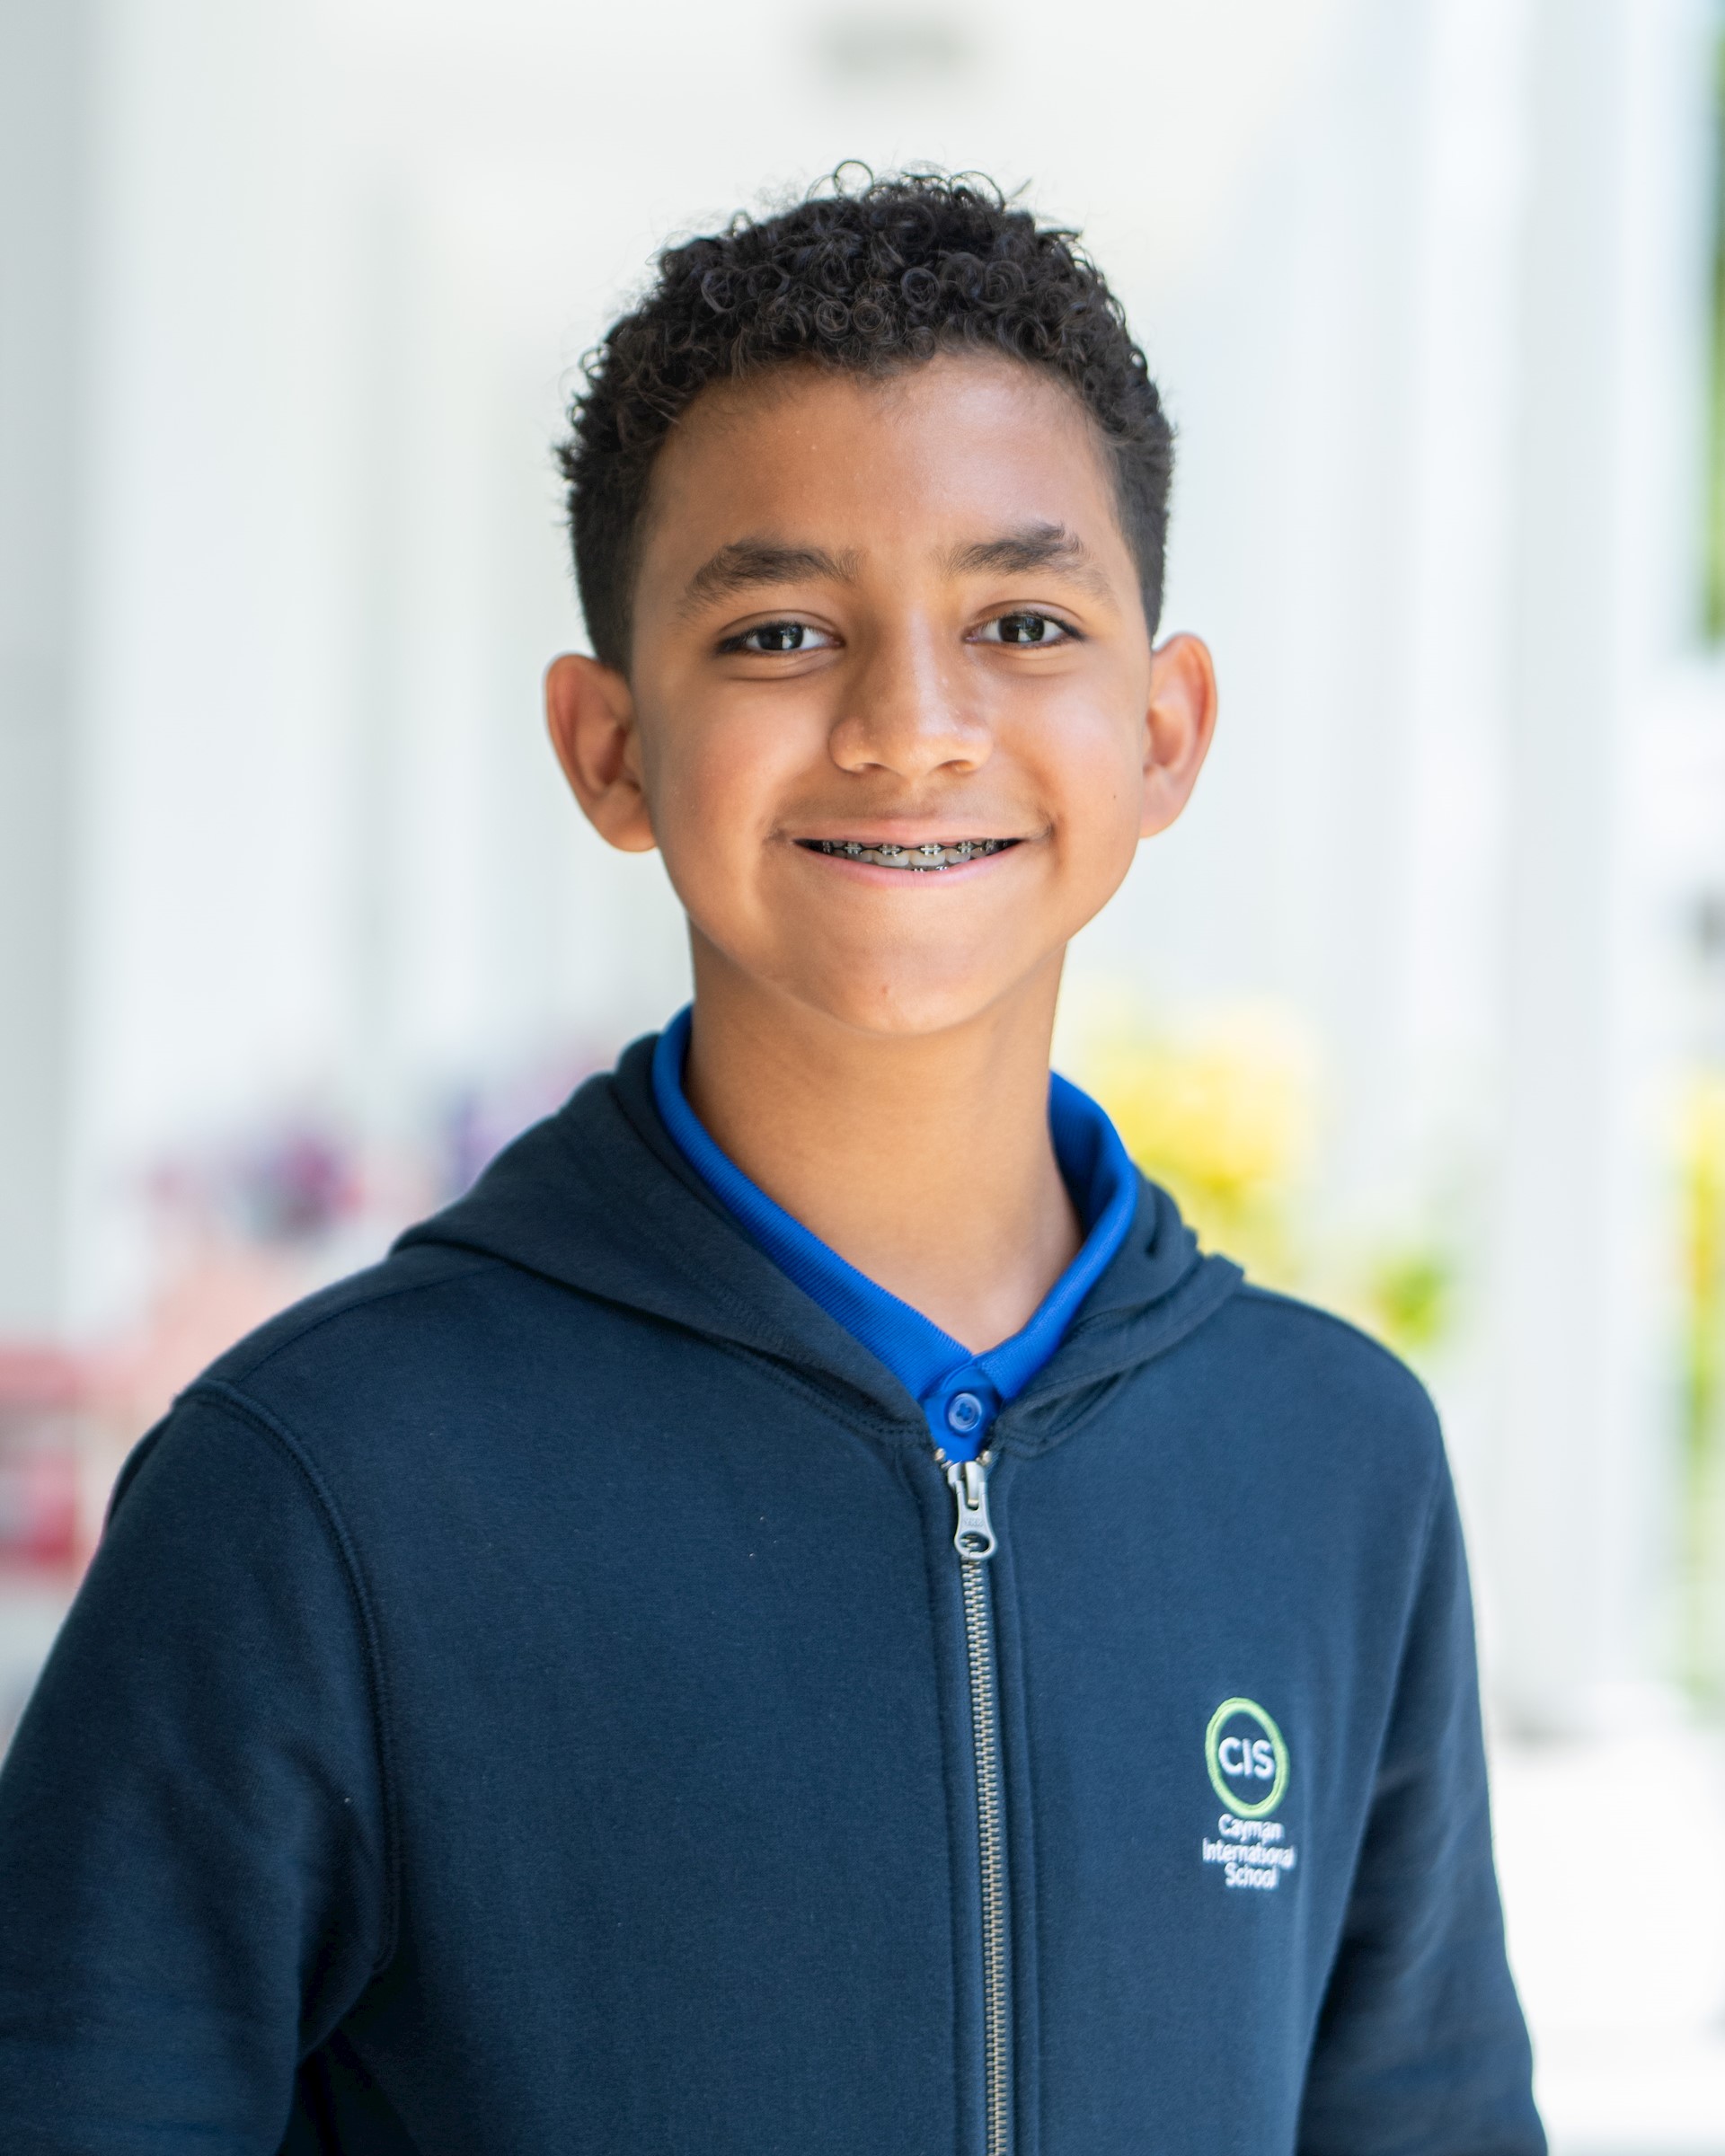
(925, 1162)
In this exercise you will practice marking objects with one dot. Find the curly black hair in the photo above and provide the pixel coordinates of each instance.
(872, 279)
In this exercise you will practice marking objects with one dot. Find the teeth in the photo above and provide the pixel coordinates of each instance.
(932, 856)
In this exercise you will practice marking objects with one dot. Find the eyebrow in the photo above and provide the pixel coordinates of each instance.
(746, 564)
(1034, 546)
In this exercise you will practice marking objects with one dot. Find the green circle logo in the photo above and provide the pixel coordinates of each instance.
(1233, 1758)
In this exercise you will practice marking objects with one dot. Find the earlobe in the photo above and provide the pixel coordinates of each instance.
(1179, 727)
(590, 715)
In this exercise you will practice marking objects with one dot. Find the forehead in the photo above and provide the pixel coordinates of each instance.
(940, 454)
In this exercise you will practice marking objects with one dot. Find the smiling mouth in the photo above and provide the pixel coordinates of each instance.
(919, 861)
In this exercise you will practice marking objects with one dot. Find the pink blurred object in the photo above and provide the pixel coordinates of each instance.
(67, 1419)
(240, 1228)
(42, 1448)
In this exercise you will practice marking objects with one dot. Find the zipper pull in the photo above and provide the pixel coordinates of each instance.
(969, 1481)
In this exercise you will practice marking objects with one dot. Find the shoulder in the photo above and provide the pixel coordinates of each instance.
(432, 1362)
(376, 1317)
(1309, 1383)
(426, 1308)
(1294, 1334)
(393, 1300)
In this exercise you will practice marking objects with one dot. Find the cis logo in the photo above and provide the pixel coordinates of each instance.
(1247, 1759)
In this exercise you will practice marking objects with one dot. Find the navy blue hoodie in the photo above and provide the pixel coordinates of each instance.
(546, 1693)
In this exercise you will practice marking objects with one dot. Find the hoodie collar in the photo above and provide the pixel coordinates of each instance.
(951, 1381)
(597, 1198)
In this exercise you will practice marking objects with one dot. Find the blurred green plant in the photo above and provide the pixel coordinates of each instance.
(1701, 1526)
(1408, 1297)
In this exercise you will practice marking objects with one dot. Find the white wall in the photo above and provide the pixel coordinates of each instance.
(42, 142)
(1419, 277)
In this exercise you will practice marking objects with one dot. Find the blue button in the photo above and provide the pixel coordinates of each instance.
(964, 1412)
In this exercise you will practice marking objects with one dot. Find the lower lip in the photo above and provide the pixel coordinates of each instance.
(918, 879)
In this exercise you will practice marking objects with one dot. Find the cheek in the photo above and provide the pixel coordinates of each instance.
(693, 763)
(1095, 781)
(699, 787)
(712, 786)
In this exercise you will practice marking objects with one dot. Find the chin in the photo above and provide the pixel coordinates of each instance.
(901, 1008)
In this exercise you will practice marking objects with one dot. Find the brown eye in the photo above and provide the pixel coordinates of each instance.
(774, 639)
(1025, 628)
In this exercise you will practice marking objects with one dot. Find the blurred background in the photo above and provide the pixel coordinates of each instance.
(1421, 1010)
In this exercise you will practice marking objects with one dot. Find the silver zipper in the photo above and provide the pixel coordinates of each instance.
(974, 1540)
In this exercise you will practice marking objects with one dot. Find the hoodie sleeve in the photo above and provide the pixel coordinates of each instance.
(1421, 2049)
(193, 1822)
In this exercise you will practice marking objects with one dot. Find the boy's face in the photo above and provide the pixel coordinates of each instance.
(872, 619)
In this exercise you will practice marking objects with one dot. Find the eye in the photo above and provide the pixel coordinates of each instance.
(1025, 629)
(773, 638)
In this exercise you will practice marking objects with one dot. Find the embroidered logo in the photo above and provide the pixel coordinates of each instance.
(1243, 1750)
(1248, 1765)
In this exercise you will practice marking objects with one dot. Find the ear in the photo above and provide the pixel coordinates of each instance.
(590, 713)
(1178, 728)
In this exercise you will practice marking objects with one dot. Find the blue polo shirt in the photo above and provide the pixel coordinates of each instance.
(961, 1394)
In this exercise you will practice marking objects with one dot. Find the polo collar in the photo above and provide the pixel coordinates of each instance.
(960, 1393)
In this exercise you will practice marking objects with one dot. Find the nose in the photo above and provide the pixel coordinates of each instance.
(910, 711)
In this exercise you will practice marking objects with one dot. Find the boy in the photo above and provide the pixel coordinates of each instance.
(801, 1614)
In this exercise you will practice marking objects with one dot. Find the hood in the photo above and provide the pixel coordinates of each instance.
(598, 1198)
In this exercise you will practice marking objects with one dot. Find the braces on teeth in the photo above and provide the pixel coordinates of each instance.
(918, 860)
